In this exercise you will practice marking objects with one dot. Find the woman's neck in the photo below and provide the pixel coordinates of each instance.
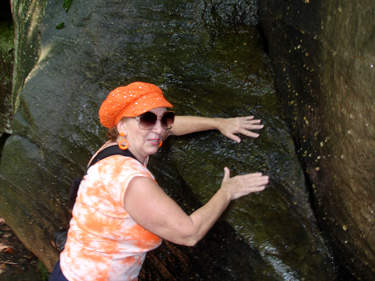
(140, 159)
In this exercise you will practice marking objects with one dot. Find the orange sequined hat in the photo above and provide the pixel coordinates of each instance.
(130, 101)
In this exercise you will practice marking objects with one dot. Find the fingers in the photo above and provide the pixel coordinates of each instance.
(252, 124)
(248, 133)
(243, 185)
(237, 139)
(231, 127)
(255, 182)
(258, 189)
(248, 124)
(256, 178)
(261, 181)
(234, 137)
(247, 118)
(226, 173)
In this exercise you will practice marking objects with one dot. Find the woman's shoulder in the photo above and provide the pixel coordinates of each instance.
(115, 157)
(120, 161)
(119, 165)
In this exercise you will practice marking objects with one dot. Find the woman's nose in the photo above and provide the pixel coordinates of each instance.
(158, 128)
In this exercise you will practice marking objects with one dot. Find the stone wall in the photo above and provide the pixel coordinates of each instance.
(6, 69)
(323, 58)
(209, 59)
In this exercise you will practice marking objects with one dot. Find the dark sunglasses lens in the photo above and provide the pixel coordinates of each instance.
(167, 120)
(147, 120)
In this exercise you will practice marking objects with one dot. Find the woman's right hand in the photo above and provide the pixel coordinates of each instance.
(242, 185)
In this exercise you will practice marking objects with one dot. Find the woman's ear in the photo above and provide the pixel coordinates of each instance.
(122, 126)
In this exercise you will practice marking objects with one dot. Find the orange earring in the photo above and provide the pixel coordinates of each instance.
(161, 143)
(120, 145)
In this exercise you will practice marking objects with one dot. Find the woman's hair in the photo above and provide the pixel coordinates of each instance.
(112, 134)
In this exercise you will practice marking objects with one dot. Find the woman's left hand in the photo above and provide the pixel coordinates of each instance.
(229, 127)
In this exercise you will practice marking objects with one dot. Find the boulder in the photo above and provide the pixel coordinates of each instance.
(209, 59)
(323, 57)
(6, 69)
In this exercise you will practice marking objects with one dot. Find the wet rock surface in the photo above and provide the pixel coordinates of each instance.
(209, 59)
(324, 68)
(6, 68)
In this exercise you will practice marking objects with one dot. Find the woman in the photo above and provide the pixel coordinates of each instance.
(121, 212)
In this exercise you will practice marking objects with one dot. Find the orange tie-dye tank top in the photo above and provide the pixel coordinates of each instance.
(104, 242)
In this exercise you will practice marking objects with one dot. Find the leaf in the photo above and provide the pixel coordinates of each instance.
(8, 250)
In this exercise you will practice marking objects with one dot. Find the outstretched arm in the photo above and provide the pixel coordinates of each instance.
(229, 127)
(155, 211)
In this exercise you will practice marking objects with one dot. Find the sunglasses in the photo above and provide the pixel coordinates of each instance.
(148, 120)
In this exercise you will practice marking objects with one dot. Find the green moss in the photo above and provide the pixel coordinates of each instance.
(60, 25)
(67, 4)
(7, 36)
(43, 271)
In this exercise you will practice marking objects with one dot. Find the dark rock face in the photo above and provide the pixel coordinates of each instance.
(323, 58)
(6, 67)
(208, 58)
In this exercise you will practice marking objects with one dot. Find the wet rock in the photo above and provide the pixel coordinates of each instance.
(323, 59)
(208, 57)
(6, 67)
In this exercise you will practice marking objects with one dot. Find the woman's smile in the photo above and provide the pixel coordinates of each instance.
(154, 141)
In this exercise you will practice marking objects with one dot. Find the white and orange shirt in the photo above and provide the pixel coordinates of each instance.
(104, 242)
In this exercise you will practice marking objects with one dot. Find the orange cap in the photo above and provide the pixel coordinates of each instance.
(130, 101)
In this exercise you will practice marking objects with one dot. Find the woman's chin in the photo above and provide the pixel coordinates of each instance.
(152, 150)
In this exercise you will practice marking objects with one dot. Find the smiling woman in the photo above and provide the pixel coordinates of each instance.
(143, 136)
(121, 212)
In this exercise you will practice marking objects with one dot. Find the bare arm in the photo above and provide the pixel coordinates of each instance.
(229, 127)
(154, 210)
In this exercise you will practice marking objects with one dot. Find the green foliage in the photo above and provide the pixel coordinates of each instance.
(60, 25)
(43, 271)
(6, 36)
(67, 4)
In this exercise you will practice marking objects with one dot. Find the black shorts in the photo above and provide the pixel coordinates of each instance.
(56, 274)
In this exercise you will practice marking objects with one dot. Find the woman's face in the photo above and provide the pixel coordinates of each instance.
(142, 143)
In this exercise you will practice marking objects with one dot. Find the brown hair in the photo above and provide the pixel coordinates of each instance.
(112, 134)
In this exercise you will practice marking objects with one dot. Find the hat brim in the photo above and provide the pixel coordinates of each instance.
(139, 107)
